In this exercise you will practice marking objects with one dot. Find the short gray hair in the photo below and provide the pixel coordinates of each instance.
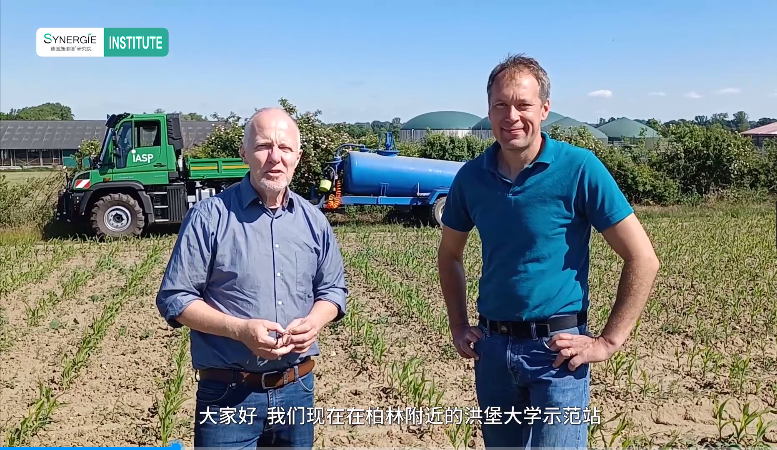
(520, 63)
(249, 124)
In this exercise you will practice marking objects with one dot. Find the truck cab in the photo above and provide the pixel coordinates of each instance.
(141, 178)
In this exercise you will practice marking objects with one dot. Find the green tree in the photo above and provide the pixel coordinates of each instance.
(740, 122)
(318, 141)
(46, 111)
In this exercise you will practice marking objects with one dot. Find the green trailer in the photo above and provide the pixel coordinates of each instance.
(141, 178)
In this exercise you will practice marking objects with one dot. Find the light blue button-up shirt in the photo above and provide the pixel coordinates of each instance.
(247, 261)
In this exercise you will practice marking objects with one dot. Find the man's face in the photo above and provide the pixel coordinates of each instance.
(273, 151)
(516, 111)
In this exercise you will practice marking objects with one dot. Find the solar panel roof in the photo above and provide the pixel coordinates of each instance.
(68, 134)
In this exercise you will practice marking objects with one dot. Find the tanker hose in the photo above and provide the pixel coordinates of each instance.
(335, 200)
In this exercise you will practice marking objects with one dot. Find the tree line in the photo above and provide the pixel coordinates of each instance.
(690, 160)
(739, 121)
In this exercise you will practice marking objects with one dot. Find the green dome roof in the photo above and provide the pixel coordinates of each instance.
(552, 117)
(485, 124)
(442, 120)
(624, 127)
(568, 122)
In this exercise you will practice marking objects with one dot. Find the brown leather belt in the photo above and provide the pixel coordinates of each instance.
(265, 380)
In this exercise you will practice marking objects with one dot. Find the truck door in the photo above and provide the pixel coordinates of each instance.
(139, 152)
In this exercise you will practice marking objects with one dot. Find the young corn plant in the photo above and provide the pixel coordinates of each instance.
(38, 418)
(96, 331)
(173, 396)
(37, 270)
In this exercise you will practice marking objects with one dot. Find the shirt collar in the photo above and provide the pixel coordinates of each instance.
(248, 194)
(547, 154)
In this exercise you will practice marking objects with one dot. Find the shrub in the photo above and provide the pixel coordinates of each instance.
(318, 142)
(452, 148)
(705, 160)
(29, 203)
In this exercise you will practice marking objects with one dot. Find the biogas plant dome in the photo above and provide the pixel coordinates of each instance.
(447, 122)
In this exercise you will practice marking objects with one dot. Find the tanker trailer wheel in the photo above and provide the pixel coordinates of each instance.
(437, 209)
(117, 215)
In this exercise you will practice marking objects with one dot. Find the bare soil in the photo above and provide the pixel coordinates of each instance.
(114, 399)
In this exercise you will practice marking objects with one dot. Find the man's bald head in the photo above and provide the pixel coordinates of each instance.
(270, 117)
(271, 148)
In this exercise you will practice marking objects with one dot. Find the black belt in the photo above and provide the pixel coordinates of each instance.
(541, 328)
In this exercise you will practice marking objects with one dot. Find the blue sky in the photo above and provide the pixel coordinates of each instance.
(363, 61)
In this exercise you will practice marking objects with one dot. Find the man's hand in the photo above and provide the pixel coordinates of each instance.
(255, 334)
(302, 334)
(581, 348)
(463, 336)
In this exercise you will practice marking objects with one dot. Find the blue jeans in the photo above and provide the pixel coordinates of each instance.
(235, 415)
(517, 375)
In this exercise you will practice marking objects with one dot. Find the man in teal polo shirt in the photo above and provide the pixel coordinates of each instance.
(534, 201)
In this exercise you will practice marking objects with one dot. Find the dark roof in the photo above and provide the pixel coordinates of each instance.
(766, 130)
(196, 132)
(68, 134)
(442, 120)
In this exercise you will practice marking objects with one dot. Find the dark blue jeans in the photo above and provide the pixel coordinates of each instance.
(532, 400)
(234, 415)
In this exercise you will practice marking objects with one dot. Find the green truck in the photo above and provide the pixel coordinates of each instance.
(141, 178)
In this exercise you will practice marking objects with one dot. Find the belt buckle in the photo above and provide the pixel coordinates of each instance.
(264, 386)
(543, 327)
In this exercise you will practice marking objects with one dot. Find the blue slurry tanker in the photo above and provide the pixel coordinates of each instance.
(365, 176)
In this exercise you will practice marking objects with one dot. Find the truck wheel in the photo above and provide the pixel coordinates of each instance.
(437, 209)
(117, 215)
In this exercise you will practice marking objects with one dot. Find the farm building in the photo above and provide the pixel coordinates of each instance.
(625, 130)
(567, 123)
(51, 143)
(446, 122)
(482, 129)
(761, 134)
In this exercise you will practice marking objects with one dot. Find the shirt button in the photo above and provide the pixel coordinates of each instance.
(276, 246)
(278, 274)
(280, 302)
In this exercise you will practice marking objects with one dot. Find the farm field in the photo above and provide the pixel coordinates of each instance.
(87, 360)
(21, 176)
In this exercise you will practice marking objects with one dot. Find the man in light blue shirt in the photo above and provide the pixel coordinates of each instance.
(534, 201)
(255, 274)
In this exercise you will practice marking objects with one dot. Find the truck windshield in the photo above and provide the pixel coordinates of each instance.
(104, 150)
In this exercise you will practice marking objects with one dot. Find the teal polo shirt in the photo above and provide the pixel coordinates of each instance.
(535, 231)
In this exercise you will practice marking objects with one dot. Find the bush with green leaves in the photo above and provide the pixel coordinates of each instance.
(706, 160)
(452, 148)
(318, 141)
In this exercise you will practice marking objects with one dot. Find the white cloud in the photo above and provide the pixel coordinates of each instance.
(692, 94)
(658, 94)
(601, 93)
(728, 91)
